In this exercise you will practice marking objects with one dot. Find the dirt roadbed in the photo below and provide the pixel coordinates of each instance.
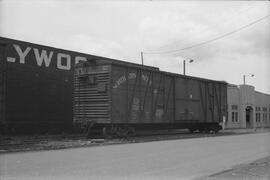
(63, 141)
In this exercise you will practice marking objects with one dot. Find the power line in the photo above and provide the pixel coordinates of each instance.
(211, 40)
(231, 18)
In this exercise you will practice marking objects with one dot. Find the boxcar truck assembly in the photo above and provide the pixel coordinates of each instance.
(119, 98)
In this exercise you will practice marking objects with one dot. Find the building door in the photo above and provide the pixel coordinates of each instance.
(248, 117)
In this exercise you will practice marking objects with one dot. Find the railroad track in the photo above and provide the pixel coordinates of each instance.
(79, 140)
(28, 140)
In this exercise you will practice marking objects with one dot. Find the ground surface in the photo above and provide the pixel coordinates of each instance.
(63, 141)
(172, 159)
(257, 170)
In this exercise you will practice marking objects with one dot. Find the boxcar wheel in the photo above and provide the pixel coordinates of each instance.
(191, 130)
(122, 131)
(131, 131)
(201, 130)
(106, 133)
(207, 130)
(215, 129)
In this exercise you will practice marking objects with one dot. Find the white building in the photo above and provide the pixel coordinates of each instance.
(247, 108)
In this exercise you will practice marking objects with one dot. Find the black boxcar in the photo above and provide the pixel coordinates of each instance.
(36, 86)
(119, 98)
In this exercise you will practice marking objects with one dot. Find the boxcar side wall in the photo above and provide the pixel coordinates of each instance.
(144, 96)
(141, 96)
(224, 101)
(2, 84)
(213, 101)
(39, 86)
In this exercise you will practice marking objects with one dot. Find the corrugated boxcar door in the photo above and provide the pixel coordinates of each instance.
(187, 105)
(92, 94)
(193, 96)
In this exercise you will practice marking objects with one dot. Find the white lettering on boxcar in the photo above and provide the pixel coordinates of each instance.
(43, 57)
(60, 57)
(145, 78)
(122, 79)
(79, 59)
(11, 59)
(21, 53)
(131, 75)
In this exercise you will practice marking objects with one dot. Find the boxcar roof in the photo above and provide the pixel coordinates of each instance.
(124, 64)
(193, 77)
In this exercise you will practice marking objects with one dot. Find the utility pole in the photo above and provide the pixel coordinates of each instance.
(184, 67)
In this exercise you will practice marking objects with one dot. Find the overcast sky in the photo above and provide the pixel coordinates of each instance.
(121, 30)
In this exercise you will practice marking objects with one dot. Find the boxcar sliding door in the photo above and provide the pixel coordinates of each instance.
(187, 100)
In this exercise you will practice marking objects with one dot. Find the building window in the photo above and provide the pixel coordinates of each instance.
(234, 116)
(258, 114)
(258, 117)
(234, 107)
(264, 117)
(234, 113)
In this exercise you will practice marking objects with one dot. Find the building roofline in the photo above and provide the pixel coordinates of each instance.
(262, 93)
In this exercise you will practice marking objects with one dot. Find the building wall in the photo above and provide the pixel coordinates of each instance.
(233, 100)
(247, 108)
(262, 102)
